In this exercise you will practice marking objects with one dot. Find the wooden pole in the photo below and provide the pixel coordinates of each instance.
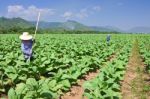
(37, 25)
(35, 31)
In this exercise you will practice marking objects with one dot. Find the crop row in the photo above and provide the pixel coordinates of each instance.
(107, 84)
(57, 65)
(145, 51)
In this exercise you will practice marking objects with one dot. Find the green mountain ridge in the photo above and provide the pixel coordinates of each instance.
(74, 25)
(68, 25)
(8, 23)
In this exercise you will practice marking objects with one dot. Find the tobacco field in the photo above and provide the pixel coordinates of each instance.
(60, 60)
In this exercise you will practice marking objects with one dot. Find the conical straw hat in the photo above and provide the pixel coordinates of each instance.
(25, 36)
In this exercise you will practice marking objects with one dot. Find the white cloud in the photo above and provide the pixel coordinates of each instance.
(82, 14)
(15, 9)
(67, 15)
(29, 13)
(97, 8)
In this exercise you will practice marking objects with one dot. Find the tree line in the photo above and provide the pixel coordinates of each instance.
(19, 30)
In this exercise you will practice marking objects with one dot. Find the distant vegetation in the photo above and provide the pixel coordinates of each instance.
(18, 25)
(18, 30)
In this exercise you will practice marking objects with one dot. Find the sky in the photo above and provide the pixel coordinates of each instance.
(124, 14)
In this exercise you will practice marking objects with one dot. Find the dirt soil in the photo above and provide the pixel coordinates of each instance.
(76, 91)
(134, 79)
(129, 76)
(3, 96)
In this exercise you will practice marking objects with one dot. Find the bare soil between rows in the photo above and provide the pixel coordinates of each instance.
(3, 96)
(76, 91)
(135, 77)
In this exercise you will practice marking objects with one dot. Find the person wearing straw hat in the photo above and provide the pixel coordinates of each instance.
(27, 42)
(26, 45)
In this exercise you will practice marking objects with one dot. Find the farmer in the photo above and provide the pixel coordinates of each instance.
(26, 45)
(108, 38)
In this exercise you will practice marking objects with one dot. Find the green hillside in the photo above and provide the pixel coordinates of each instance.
(7, 23)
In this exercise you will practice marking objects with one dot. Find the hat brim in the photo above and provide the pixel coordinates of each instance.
(22, 37)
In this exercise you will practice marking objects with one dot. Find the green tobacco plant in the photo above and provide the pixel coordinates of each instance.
(59, 61)
(107, 84)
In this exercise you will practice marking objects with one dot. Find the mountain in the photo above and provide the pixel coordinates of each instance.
(139, 30)
(74, 25)
(7, 23)
(68, 25)
(45, 25)
(106, 29)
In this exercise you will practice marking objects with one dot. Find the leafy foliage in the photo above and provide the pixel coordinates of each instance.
(59, 61)
(107, 84)
(145, 51)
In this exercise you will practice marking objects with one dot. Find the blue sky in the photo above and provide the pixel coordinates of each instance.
(123, 14)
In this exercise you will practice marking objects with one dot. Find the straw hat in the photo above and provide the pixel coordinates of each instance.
(25, 36)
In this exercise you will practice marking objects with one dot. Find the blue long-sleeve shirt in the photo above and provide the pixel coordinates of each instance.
(108, 38)
(27, 49)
